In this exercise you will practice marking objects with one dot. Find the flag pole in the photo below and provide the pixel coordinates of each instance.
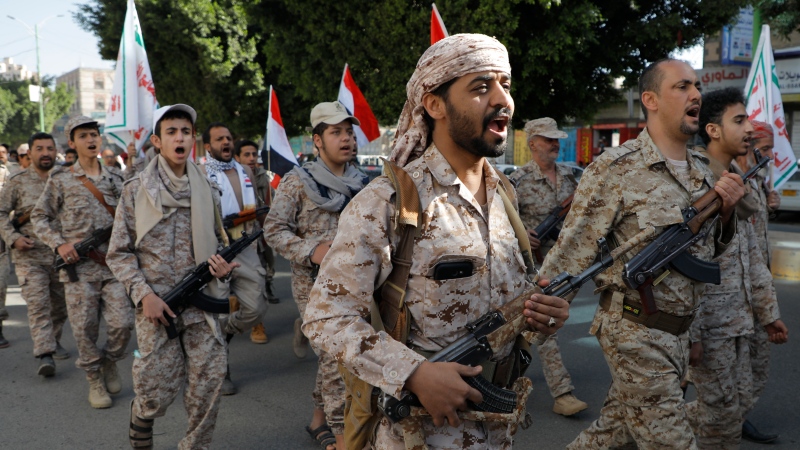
(266, 142)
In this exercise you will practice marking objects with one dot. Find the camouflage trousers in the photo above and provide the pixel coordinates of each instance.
(558, 380)
(644, 403)
(86, 302)
(247, 284)
(329, 391)
(47, 309)
(469, 435)
(724, 382)
(5, 269)
(195, 360)
(759, 362)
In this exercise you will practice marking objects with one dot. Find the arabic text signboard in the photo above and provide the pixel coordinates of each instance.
(716, 78)
(737, 40)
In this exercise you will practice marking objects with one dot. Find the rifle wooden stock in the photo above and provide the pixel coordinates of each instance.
(244, 216)
(18, 221)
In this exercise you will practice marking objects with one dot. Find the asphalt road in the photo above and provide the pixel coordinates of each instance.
(274, 404)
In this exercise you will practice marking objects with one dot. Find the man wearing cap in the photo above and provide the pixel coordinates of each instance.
(168, 218)
(456, 115)
(541, 186)
(42, 291)
(300, 226)
(5, 262)
(78, 201)
(238, 194)
(246, 153)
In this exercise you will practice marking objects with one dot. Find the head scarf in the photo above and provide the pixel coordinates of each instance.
(761, 130)
(450, 58)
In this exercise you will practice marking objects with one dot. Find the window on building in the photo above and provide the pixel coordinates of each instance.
(100, 103)
(99, 83)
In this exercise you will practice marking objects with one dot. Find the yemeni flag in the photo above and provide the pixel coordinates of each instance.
(353, 100)
(438, 30)
(133, 99)
(279, 157)
(764, 104)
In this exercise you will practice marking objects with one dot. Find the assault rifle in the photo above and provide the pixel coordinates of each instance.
(83, 248)
(232, 220)
(18, 221)
(189, 290)
(548, 229)
(493, 331)
(669, 248)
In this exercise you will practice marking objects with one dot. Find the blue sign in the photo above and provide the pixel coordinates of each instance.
(737, 40)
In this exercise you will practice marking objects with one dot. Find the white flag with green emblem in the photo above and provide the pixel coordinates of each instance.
(133, 100)
(764, 104)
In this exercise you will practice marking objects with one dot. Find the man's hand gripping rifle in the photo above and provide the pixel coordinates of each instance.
(669, 248)
(493, 331)
(83, 248)
(189, 290)
(548, 229)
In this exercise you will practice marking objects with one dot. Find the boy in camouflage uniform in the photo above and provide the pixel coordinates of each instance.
(459, 99)
(5, 262)
(720, 356)
(541, 186)
(67, 212)
(167, 224)
(637, 190)
(300, 226)
(41, 290)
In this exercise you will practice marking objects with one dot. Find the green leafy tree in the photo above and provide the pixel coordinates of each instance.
(23, 115)
(222, 55)
(783, 16)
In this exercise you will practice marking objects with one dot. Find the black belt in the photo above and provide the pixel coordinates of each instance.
(661, 320)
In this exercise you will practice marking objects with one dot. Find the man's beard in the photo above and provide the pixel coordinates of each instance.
(687, 129)
(44, 165)
(217, 154)
(461, 127)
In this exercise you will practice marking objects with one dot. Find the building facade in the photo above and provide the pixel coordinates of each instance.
(15, 72)
(92, 89)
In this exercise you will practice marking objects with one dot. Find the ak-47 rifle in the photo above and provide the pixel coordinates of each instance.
(548, 229)
(493, 331)
(669, 248)
(241, 217)
(93, 242)
(189, 290)
(18, 221)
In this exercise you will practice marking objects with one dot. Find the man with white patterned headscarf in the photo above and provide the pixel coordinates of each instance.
(457, 114)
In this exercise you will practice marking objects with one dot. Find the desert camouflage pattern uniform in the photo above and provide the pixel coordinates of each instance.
(198, 356)
(537, 196)
(5, 261)
(454, 228)
(725, 326)
(41, 290)
(626, 190)
(759, 340)
(294, 227)
(265, 253)
(66, 200)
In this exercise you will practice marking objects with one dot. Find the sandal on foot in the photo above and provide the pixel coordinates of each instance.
(323, 435)
(141, 431)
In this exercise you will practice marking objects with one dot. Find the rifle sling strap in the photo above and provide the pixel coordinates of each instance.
(93, 189)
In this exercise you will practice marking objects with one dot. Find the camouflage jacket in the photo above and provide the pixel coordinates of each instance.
(19, 195)
(295, 225)
(454, 228)
(66, 200)
(538, 196)
(625, 190)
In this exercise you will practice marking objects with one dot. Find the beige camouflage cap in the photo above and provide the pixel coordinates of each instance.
(331, 113)
(76, 122)
(546, 127)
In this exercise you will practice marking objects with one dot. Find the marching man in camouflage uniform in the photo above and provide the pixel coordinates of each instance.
(767, 202)
(720, 356)
(5, 262)
(541, 186)
(168, 223)
(41, 290)
(641, 187)
(300, 226)
(68, 212)
(456, 114)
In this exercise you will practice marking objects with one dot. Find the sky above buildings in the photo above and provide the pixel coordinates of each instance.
(63, 45)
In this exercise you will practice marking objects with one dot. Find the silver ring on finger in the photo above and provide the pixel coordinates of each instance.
(552, 322)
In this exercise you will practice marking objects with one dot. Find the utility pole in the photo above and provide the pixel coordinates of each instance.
(35, 33)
